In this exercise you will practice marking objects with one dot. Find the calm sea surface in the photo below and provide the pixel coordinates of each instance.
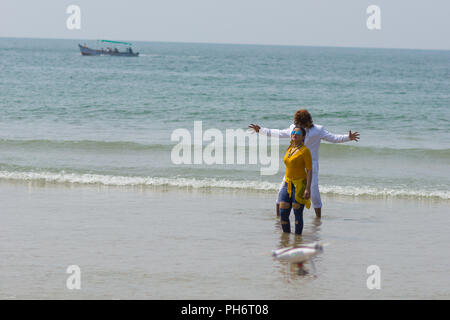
(69, 118)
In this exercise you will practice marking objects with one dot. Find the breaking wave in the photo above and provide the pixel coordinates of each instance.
(205, 183)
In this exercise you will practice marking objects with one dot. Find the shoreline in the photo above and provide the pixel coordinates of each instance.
(193, 185)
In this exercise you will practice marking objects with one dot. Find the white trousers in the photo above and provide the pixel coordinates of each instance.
(315, 194)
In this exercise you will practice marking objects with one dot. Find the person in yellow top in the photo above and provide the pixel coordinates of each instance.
(296, 191)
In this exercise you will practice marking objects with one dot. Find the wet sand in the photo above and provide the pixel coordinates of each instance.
(159, 243)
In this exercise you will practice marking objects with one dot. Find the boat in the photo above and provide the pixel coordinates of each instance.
(128, 52)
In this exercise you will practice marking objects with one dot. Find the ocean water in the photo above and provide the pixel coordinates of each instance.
(66, 118)
(87, 177)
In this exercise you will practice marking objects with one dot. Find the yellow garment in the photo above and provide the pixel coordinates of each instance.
(300, 186)
(296, 165)
(297, 162)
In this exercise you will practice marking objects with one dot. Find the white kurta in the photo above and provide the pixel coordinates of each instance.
(312, 141)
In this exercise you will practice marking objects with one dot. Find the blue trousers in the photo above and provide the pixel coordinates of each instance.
(284, 213)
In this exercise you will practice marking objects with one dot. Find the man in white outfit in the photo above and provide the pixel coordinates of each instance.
(314, 134)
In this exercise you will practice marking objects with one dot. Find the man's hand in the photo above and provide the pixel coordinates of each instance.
(254, 127)
(353, 136)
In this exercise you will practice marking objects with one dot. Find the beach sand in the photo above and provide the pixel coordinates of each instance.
(160, 243)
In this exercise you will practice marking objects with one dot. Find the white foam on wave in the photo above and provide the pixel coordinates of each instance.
(63, 177)
(384, 192)
(110, 180)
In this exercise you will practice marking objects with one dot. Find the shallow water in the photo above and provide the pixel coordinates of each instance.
(189, 244)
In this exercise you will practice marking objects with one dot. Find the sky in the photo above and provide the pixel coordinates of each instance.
(415, 24)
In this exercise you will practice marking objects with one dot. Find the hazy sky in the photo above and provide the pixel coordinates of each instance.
(404, 23)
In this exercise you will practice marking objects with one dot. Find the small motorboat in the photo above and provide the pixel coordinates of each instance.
(128, 51)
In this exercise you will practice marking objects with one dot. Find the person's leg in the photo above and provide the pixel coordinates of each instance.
(298, 212)
(277, 207)
(315, 194)
(318, 212)
(285, 209)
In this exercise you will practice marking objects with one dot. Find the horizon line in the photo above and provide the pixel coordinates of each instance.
(236, 43)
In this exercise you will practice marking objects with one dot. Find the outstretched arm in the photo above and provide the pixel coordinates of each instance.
(339, 138)
(285, 133)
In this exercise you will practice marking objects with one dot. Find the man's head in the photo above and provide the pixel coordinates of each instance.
(303, 119)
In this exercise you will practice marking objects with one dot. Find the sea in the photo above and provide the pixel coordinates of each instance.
(89, 142)
(107, 120)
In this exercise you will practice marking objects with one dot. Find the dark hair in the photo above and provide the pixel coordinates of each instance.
(303, 118)
(303, 130)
